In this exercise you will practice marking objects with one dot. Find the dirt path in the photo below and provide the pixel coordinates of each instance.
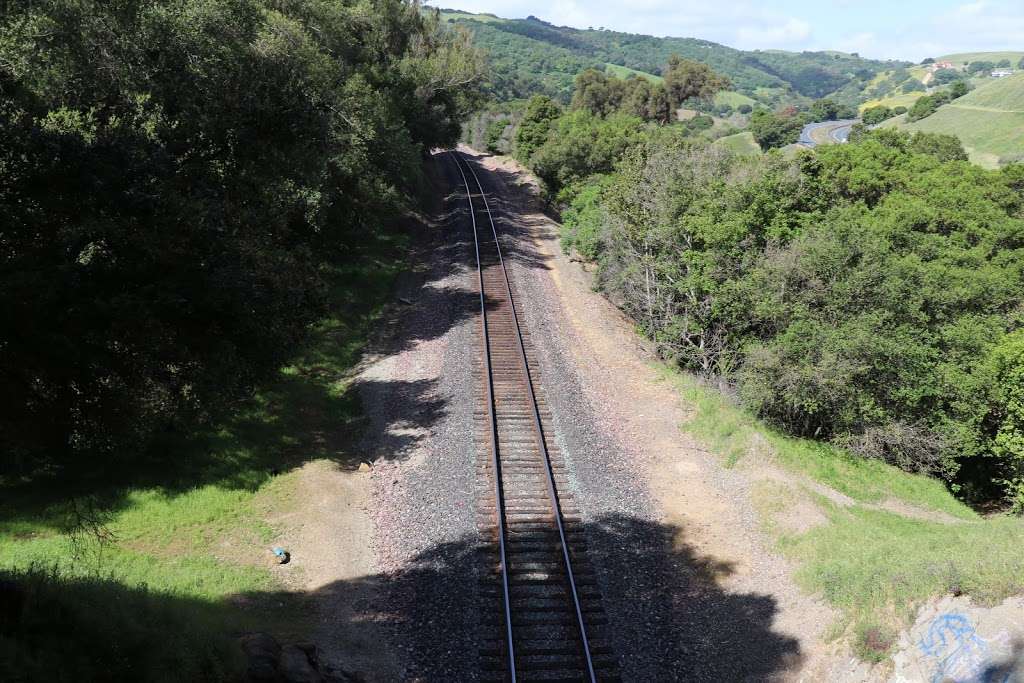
(707, 508)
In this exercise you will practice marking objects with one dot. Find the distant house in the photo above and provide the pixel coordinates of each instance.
(940, 65)
(1002, 73)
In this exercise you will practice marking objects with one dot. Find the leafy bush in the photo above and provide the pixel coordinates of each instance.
(173, 177)
(945, 76)
(534, 127)
(875, 115)
(853, 294)
(774, 130)
(1006, 363)
(495, 131)
(581, 144)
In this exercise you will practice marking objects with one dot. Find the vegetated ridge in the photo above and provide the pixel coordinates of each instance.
(531, 56)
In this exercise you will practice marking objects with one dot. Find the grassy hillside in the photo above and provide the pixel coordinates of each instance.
(740, 143)
(626, 72)
(988, 120)
(873, 540)
(959, 58)
(733, 99)
(530, 56)
(902, 100)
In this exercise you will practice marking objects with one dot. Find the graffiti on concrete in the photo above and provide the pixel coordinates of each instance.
(961, 654)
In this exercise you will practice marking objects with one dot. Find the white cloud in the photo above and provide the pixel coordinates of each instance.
(789, 32)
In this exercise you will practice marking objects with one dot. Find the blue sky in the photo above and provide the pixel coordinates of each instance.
(899, 29)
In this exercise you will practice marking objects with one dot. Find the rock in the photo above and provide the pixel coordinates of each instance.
(365, 467)
(295, 667)
(262, 651)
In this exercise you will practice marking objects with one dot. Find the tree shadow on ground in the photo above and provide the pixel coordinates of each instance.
(312, 408)
(669, 616)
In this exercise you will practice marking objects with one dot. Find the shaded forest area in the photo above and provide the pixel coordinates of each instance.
(177, 180)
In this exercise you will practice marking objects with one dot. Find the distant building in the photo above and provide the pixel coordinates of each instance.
(1002, 73)
(940, 65)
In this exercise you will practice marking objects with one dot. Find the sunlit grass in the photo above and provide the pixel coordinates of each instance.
(875, 564)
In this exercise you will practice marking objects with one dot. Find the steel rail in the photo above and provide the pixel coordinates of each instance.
(499, 495)
(538, 426)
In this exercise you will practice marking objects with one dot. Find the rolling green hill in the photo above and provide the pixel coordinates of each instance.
(960, 58)
(626, 72)
(740, 143)
(530, 56)
(988, 120)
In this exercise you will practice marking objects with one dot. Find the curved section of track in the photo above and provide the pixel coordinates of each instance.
(542, 582)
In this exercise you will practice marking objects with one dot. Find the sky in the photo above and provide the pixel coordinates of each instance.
(896, 29)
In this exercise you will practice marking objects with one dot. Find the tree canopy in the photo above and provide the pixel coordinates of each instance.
(174, 177)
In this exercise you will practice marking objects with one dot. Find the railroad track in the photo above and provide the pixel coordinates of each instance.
(548, 623)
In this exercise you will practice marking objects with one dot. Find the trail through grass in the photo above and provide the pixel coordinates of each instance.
(869, 558)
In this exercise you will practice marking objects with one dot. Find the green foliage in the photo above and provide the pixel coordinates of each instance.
(174, 177)
(687, 80)
(602, 95)
(581, 144)
(584, 218)
(529, 57)
(945, 76)
(852, 294)
(829, 110)
(875, 115)
(534, 127)
(927, 105)
(942, 147)
(775, 130)
(913, 86)
(1006, 363)
(495, 131)
(981, 67)
(744, 109)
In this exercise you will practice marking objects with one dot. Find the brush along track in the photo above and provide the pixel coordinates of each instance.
(548, 623)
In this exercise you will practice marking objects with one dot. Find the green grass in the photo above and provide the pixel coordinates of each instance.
(733, 99)
(902, 100)
(484, 18)
(959, 58)
(183, 530)
(989, 121)
(626, 72)
(740, 143)
(875, 564)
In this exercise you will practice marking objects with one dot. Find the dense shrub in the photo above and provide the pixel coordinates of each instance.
(581, 144)
(857, 293)
(875, 115)
(775, 130)
(173, 176)
(534, 127)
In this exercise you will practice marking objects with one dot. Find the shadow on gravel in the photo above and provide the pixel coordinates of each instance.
(511, 219)
(669, 616)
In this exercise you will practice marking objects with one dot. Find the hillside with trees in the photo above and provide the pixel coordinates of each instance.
(530, 56)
